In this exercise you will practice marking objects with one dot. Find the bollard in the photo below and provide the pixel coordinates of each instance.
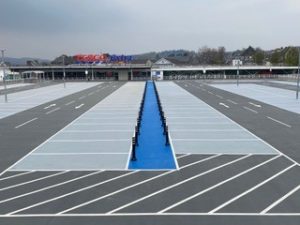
(167, 136)
(133, 155)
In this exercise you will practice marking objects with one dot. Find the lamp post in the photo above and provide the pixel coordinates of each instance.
(64, 71)
(4, 79)
(238, 73)
(298, 77)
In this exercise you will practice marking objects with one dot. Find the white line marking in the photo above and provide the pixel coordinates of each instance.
(69, 103)
(49, 187)
(49, 139)
(23, 124)
(79, 106)
(280, 200)
(148, 214)
(154, 193)
(277, 121)
(31, 181)
(73, 192)
(233, 102)
(82, 153)
(91, 93)
(93, 131)
(53, 110)
(142, 182)
(251, 189)
(243, 128)
(219, 96)
(49, 106)
(16, 175)
(90, 140)
(217, 185)
(182, 156)
(223, 104)
(82, 97)
(256, 105)
(251, 110)
(212, 139)
(173, 150)
(210, 92)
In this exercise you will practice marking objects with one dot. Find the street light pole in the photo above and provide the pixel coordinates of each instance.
(64, 71)
(4, 80)
(298, 77)
(238, 74)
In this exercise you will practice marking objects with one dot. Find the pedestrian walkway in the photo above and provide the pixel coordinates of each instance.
(151, 152)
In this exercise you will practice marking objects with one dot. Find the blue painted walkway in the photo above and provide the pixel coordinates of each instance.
(152, 153)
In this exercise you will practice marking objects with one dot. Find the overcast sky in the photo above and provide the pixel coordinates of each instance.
(49, 28)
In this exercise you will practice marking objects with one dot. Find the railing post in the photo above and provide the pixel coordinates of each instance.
(133, 155)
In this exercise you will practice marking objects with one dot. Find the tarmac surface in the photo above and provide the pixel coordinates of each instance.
(210, 187)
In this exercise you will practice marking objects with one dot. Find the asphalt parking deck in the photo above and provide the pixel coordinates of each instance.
(217, 181)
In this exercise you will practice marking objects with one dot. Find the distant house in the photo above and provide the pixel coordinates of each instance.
(163, 62)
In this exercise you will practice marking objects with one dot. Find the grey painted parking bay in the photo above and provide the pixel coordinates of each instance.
(200, 129)
(99, 139)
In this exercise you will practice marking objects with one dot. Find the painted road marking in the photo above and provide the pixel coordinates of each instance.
(251, 110)
(16, 175)
(31, 181)
(219, 96)
(82, 97)
(49, 187)
(69, 103)
(251, 189)
(73, 192)
(166, 188)
(277, 121)
(23, 124)
(49, 106)
(219, 184)
(53, 110)
(280, 200)
(233, 102)
(91, 93)
(223, 104)
(256, 105)
(79, 106)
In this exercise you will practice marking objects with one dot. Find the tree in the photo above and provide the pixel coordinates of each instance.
(275, 57)
(211, 56)
(291, 57)
(259, 56)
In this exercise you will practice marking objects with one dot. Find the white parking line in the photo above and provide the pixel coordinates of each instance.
(73, 192)
(16, 175)
(34, 180)
(251, 189)
(251, 110)
(136, 184)
(223, 104)
(69, 103)
(49, 106)
(148, 214)
(53, 110)
(277, 121)
(23, 124)
(182, 156)
(217, 185)
(154, 193)
(280, 200)
(49, 187)
(256, 105)
(79, 106)
(81, 153)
